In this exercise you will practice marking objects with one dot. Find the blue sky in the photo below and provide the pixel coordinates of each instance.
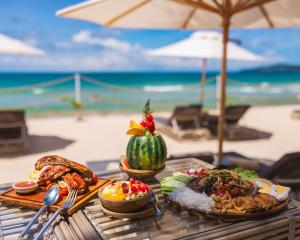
(74, 45)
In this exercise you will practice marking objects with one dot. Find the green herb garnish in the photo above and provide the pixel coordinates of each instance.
(245, 173)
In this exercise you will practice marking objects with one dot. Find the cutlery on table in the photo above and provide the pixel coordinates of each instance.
(153, 202)
(68, 203)
(50, 198)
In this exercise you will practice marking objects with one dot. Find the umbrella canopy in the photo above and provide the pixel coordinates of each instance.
(191, 14)
(204, 45)
(186, 14)
(10, 45)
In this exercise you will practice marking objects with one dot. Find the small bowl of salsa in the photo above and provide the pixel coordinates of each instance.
(25, 187)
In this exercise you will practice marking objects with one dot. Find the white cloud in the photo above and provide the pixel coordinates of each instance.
(31, 41)
(85, 36)
(63, 44)
(271, 56)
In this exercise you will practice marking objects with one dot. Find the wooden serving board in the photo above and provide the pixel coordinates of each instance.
(35, 200)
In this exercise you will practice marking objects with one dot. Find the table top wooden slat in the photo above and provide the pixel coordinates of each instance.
(92, 223)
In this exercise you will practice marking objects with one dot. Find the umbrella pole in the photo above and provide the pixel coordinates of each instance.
(203, 81)
(226, 24)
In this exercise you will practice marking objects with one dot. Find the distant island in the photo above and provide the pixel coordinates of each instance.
(275, 68)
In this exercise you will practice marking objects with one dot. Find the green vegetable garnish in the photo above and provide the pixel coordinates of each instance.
(245, 173)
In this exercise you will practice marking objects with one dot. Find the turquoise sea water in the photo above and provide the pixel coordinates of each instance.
(116, 92)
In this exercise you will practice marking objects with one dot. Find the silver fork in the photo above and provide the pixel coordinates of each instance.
(68, 203)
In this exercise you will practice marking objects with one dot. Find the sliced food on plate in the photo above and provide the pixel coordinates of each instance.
(65, 173)
(224, 191)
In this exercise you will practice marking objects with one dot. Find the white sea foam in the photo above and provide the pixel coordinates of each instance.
(265, 85)
(163, 88)
(38, 91)
(247, 89)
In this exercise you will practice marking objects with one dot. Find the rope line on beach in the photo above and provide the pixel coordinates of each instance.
(100, 83)
(38, 85)
(57, 99)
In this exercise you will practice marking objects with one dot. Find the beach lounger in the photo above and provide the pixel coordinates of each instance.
(234, 132)
(233, 114)
(295, 115)
(186, 117)
(13, 131)
(184, 123)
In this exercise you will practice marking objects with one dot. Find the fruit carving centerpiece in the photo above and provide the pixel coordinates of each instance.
(146, 150)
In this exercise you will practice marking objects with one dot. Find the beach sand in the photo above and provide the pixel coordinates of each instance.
(103, 137)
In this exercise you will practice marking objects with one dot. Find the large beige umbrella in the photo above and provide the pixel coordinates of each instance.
(10, 45)
(204, 45)
(191, 14)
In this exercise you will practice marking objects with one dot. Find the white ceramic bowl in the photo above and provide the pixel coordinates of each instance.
(25, 190)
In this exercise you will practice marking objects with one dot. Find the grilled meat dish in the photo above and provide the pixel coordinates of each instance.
(84, 171)
(220, 182)
(264, 200)
(231, 193)
(75, 181)
(52, 173)
(66, 173)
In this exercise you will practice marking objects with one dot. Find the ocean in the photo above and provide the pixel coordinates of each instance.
(127, 92)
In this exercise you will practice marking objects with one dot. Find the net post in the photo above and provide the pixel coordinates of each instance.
(77, 89)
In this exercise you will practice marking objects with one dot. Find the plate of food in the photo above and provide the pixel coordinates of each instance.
(59, 171)
(224, 194)
(129, 199)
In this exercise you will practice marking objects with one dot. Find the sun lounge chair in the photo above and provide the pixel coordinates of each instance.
(13, 131)
(186, 117)
(295, 115)
(233, 131)
(233, 114)
(184, 123)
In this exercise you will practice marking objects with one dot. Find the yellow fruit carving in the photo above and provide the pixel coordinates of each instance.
(135, 129)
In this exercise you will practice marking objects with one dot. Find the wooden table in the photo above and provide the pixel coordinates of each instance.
(92, 223)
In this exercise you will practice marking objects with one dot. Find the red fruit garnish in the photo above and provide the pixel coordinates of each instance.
(142, 189)
(150, 125)
(144, 124)
(134, 188)
(149, 118)
(125, 188)
(124, 162)
(133, 181)
(152, 129)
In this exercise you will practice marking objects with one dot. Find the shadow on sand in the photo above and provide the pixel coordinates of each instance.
(241, 133)
(40, 144)
(104, 167)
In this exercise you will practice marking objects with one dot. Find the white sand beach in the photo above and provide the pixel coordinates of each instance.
(103, 137)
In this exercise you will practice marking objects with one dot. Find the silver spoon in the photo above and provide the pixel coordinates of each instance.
(153, 202)
(50, 198)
